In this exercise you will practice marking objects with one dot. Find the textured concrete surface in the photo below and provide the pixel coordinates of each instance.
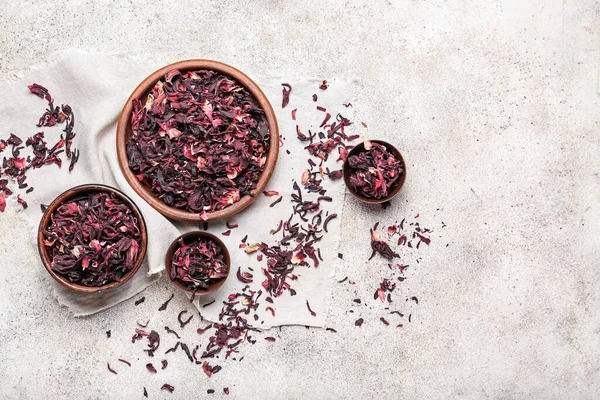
(495, 105)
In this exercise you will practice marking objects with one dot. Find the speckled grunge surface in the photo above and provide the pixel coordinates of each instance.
(495, 106)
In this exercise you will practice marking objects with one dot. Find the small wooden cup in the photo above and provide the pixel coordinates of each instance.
(124, 133)
(394, 191)
(188, 238)
(77, 191)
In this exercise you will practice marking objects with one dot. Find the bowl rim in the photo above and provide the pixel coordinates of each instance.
(395, 190)
(194, 235)
(145, 193)
(80, 190)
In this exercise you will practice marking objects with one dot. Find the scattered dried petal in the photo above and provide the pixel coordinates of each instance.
(183, 323)
(286, 90)
(163, 307)
(110, 369)
(125, 362)
(168, 387)
(314, 314)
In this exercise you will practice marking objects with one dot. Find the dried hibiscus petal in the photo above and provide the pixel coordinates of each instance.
(164, 306)
(110, 369)
(182, 322)
(168, 387)
(40, 91)
(314, 314)
(210, 370)
(379, 246)
(169, 330)
(245, 277)
(286, 90)
(276, 201)
(154, 341)
(202, 330)
(125, 362)
(329, 218)
(249, 249)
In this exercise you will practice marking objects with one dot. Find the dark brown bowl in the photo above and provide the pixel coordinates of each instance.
(78, 190)
(188, 238)
(359, 149)
(124, 133)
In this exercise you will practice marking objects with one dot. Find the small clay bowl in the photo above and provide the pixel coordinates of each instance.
(188, 238)
(124, 133)
(81, 190)
(359, 149)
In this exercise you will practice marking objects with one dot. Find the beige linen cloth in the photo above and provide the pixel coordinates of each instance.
(96, 86)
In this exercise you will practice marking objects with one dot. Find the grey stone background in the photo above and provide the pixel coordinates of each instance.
(495, 106)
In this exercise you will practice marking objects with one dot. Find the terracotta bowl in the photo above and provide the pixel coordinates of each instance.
(77, 191)
(188, 238)
(124, 133)
(359, 149)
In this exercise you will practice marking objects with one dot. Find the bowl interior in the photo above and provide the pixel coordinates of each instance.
(394, 191)
(78, 191)
(124, 133)
(188, 238)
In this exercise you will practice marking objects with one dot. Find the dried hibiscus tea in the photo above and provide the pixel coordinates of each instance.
(244, 277)
(93, 239)
(164, 305)
(182, 322)
(125, 362)
(110, 369)
(286, 90)
(314, 314)
(375, 171)
(379, 246)
(200, 141)
(168, 387)
(199, 264)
